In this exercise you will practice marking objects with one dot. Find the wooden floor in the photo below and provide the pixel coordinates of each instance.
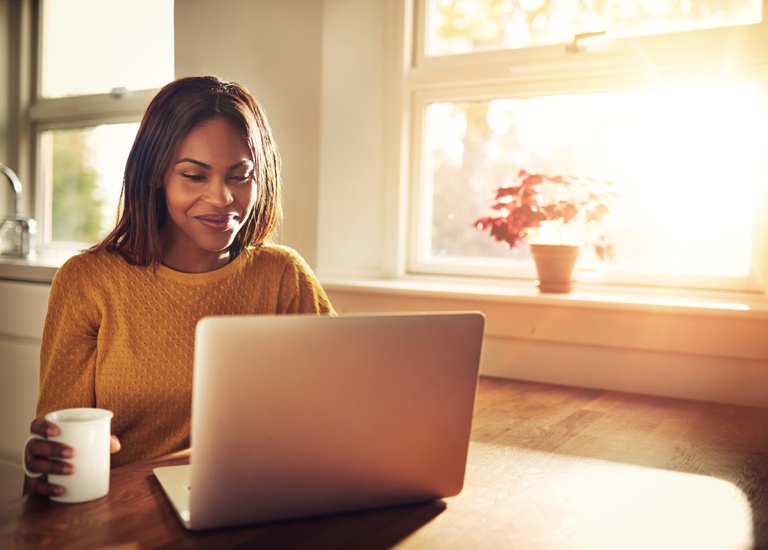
(713, 441)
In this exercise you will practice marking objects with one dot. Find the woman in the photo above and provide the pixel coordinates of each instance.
(201, 198)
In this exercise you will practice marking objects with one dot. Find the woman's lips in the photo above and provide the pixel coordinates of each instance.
(217, 222)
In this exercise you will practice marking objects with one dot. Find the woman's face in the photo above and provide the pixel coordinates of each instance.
(210, 190)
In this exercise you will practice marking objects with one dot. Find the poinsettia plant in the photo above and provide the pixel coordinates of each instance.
(551, 210)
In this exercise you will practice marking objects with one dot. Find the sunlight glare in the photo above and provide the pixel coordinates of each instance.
(585, 502)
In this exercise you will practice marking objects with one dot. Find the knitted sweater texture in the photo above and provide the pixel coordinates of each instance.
(121, 337)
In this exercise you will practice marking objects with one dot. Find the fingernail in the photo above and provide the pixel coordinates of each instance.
(67, 453)
(67, 469)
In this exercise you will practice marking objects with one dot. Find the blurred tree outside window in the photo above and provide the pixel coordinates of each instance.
(86, 179)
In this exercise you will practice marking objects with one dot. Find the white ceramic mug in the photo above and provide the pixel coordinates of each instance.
(87, 431)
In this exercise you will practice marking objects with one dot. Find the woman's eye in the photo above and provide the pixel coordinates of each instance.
(241, 178)
(193, 177)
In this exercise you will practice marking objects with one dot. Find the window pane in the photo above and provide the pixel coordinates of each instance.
(686, 181)
(93, 46)
(462, 26)
(86, 177)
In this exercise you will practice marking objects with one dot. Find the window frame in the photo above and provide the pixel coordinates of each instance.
(72, 112)
(551, 70)
(44, 114)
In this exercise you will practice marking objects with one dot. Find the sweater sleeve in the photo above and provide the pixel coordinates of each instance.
(300, 291)
(68, 350)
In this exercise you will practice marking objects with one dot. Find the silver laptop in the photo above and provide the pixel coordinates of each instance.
(304, 415)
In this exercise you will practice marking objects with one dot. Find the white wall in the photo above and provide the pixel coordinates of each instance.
(355, 171)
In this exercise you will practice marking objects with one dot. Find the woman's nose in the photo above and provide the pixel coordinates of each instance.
(218, 193)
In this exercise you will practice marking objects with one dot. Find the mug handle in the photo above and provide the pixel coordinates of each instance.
(24, 457)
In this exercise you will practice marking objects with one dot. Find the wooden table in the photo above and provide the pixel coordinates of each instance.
(549, 467)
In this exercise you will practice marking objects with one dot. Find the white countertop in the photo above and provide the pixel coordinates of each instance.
(37, 268)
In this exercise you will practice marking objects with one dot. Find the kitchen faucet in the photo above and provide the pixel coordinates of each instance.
(22, 229)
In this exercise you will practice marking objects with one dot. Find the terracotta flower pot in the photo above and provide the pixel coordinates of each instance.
(554, 264)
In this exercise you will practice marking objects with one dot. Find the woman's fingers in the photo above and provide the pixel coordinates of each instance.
(42, 454)
(43, 427)
(45, 466)
(41, 486)
(45, 448)
(39, 451)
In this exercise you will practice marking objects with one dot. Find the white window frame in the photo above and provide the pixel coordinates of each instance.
(119, 106)
(550, 70)
(73, 112)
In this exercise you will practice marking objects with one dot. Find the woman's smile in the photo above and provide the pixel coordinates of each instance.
(218, 222)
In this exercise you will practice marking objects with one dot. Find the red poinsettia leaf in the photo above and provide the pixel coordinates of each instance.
(569, 211)
(511, 191)
(481, 223)
(598, 212)
(604, 251)
(551, 212)
(531, 179)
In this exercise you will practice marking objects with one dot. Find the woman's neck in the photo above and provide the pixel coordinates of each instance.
(196, 263)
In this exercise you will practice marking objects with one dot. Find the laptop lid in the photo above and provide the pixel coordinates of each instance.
(302, 415)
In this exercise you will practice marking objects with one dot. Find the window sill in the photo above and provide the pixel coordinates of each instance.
(624, 298)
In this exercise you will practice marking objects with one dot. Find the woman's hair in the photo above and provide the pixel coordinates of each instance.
(178, 108)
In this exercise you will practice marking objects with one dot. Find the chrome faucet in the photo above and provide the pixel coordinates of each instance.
(22, 229)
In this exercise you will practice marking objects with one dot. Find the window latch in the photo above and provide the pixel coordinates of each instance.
(575, 46)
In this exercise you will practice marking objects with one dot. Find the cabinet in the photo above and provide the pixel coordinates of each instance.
(22, 313)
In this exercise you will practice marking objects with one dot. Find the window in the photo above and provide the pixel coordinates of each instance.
(668, 99)
(99, 64)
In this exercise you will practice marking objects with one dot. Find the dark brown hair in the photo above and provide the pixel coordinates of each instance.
(178, 108)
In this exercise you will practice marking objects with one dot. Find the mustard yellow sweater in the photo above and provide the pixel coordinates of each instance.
(121, 337)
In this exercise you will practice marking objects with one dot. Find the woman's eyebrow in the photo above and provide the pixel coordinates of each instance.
(193, 161)
(244, 162)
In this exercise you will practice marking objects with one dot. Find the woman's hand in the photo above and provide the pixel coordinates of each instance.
(41, 456)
